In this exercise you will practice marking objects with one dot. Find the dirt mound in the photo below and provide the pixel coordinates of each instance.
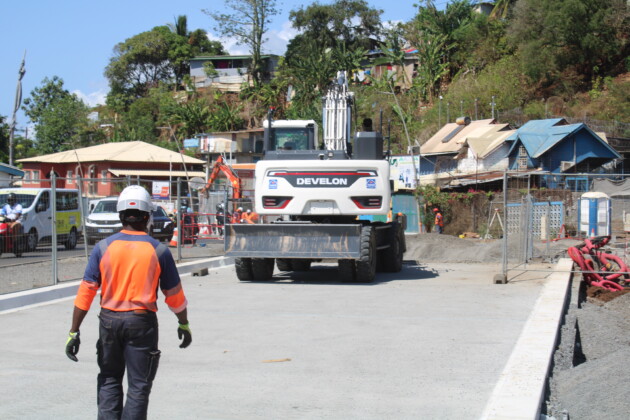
(620, 303)
(593, 384)
(596, 390)
(599, 295)
(433, 247)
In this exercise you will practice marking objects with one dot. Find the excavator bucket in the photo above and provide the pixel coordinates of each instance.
(299, 240)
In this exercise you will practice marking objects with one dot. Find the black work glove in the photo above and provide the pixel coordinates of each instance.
(184, 331)
(72, 346)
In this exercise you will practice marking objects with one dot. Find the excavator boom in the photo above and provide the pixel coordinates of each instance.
(235, 181)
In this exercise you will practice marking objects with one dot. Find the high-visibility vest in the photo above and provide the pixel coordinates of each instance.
(439, 220)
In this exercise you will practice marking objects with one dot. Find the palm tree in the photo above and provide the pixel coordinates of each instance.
(501, 8)
(394, 54)
(192, 117)
(180, 27)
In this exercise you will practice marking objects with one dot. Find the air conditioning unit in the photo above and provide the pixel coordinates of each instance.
(565, 165)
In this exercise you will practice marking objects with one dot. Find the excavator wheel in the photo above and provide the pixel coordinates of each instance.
(284, 264)
(366, 265)
(301, 265)
(347, 271)
(391, 258)
(244, 269)
(262, 268)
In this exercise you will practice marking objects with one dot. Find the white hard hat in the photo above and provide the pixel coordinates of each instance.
(134, 197)
(239, 209)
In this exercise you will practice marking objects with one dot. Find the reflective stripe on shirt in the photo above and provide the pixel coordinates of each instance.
(129, 267)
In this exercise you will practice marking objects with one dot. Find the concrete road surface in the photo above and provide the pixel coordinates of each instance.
(427, 343)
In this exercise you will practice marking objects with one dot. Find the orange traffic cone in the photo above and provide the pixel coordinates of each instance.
(593, 233)
(204, 231)
(173, 238)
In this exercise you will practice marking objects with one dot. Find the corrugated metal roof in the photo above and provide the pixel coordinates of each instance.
(435, 144)
(128, 151)
(538, 136)
(489, 140)
(151, 172)
(11, 170)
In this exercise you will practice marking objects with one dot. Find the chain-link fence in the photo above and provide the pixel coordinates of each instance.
(63, 218)
(542, 215)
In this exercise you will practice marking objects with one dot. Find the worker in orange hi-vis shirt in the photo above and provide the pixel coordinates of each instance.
(128, 267)
(250, 217)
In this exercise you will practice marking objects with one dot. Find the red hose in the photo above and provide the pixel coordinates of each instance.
(587, 266)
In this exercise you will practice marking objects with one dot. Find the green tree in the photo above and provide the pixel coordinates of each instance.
(191, 117)
(309, 75)
(226, 117)
(570, 42)
(247, 24)
(347, 22)
(4, 140)
(256, 100)
(143, 61)
(433, 67)
(195, 43)
(161, 55)
(60, 117)
(333, 37)
(394, 53)
(481, 42)
(430, 24)
(43, 97)
(502, 8)
(342, 28)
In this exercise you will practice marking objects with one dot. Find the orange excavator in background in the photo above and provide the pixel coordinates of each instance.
(235, 181)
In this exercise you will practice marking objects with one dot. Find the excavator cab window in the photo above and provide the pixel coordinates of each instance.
(291, 138)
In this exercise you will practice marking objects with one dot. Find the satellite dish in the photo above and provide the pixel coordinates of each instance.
(196, 183)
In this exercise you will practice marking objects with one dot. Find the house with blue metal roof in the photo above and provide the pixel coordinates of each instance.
(8, 173)
(555, 146)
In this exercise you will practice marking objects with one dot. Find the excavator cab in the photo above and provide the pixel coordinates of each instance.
(293, 139)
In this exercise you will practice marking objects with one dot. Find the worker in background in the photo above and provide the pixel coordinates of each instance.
(12, 210)
(238, 215)
(439, 220)
(250, 217)
(220, 215)
(128, 267)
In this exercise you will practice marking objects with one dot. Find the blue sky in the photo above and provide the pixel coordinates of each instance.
(74, 39)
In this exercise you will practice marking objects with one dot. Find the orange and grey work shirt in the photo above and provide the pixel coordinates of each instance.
(128, 267)
(439, 220)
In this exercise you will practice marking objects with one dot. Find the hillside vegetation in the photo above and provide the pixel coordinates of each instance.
(528, 59)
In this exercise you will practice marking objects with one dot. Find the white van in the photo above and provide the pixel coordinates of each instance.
(37, 214)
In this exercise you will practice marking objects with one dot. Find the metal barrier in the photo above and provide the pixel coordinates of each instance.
(545, 214)
(60, 230)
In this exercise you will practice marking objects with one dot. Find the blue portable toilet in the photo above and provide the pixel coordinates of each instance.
(594, 214)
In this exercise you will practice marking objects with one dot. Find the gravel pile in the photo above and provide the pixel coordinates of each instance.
(452, 249)
(591, 373)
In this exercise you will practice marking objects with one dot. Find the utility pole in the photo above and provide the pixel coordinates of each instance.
(448, 115)
(476, 115)
(16, 107)
(440, 113)
(492, 104)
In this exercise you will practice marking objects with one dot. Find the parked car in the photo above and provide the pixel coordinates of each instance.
(103, 221)
(161, 226)
(37, 215)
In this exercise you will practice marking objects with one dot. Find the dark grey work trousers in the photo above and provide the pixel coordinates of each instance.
(126, 340)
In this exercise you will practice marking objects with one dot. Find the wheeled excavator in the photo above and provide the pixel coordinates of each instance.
(319, 194)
